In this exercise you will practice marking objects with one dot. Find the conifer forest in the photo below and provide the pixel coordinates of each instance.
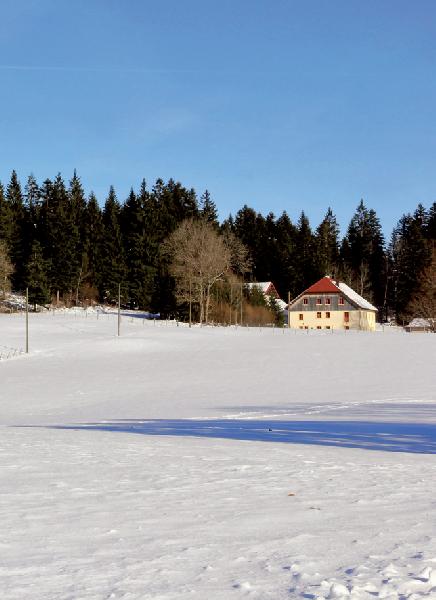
(60, 242)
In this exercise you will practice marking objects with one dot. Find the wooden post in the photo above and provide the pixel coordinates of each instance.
(190, 303)
(231, 301)
(119, 308)
(242, 296)
(289, 312)
(27, 320)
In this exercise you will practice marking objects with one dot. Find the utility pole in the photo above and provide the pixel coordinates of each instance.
(119, 308)
(27, 320)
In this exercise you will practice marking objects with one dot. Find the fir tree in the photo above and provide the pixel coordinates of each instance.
(410, 254)
(431, 224)
(306, 268)
(36, 276)
(93, 241)
(286, 235)
(15, 229)
(4, 215)
(208, 210)
(77, 203)
(64, 237)
(363, 255)
(327, 244)
(134, 238)
(113, 271)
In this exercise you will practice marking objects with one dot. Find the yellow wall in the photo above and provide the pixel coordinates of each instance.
(359, 319)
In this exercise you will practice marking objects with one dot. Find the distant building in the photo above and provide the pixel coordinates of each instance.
(267, 287)
(419, 325)
(269, 291)
(328, 304)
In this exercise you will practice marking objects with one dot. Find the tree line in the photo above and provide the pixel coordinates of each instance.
(62, 242)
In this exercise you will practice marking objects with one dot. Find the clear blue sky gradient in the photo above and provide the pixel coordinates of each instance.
(279, 104)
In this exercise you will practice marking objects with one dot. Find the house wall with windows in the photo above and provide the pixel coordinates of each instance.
(332, 319)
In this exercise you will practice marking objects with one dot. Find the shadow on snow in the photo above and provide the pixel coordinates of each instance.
(389, 437)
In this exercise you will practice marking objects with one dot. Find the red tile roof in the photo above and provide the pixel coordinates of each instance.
(323, 286)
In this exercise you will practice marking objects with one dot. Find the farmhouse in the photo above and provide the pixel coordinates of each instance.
(328, 304)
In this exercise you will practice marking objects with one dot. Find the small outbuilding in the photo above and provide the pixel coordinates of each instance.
(419, 325)
(329, 304)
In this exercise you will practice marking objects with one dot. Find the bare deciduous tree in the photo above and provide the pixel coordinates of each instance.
(199, 257)
(6, 270)
(239, 258)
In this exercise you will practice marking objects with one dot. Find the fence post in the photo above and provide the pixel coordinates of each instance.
(119, 308)
(27, 320)
(289, 312)
(190, 302)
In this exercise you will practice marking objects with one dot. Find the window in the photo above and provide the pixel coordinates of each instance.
(327, 326)
(306, 327)
(301, 316)
(318, 315)
(319, 300)
(318, 327)
(301, 327)
(341, 301)
(327, 301)
(346, 317)
(347, 327)
(305, 301)
(327, 315)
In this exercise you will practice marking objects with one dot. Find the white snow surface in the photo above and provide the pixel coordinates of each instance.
(215, 463)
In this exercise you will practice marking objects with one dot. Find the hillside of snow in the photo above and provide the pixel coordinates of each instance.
(215, 463)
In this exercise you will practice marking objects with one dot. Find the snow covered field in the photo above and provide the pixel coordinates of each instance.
(212, 463)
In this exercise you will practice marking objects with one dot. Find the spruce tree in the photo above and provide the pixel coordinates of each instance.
(77, 203)
(64, 237)
(92, 249)
(36, 276)
(208, 210)
(15, 229)
(113, 271)
(431, 224)
(286, 235)
(363, 256)
(4, 215)
(134, 238)
(327, 244)
(306, 268)
(410, 254)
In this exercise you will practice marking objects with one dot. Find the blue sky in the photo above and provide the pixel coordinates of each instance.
(279, 104)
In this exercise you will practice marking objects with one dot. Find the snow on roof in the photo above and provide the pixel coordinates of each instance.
(281, 304)
(262, 285)
(419, 322)
(355, 297)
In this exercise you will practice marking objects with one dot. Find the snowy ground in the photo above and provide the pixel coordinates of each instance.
(211, 463)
